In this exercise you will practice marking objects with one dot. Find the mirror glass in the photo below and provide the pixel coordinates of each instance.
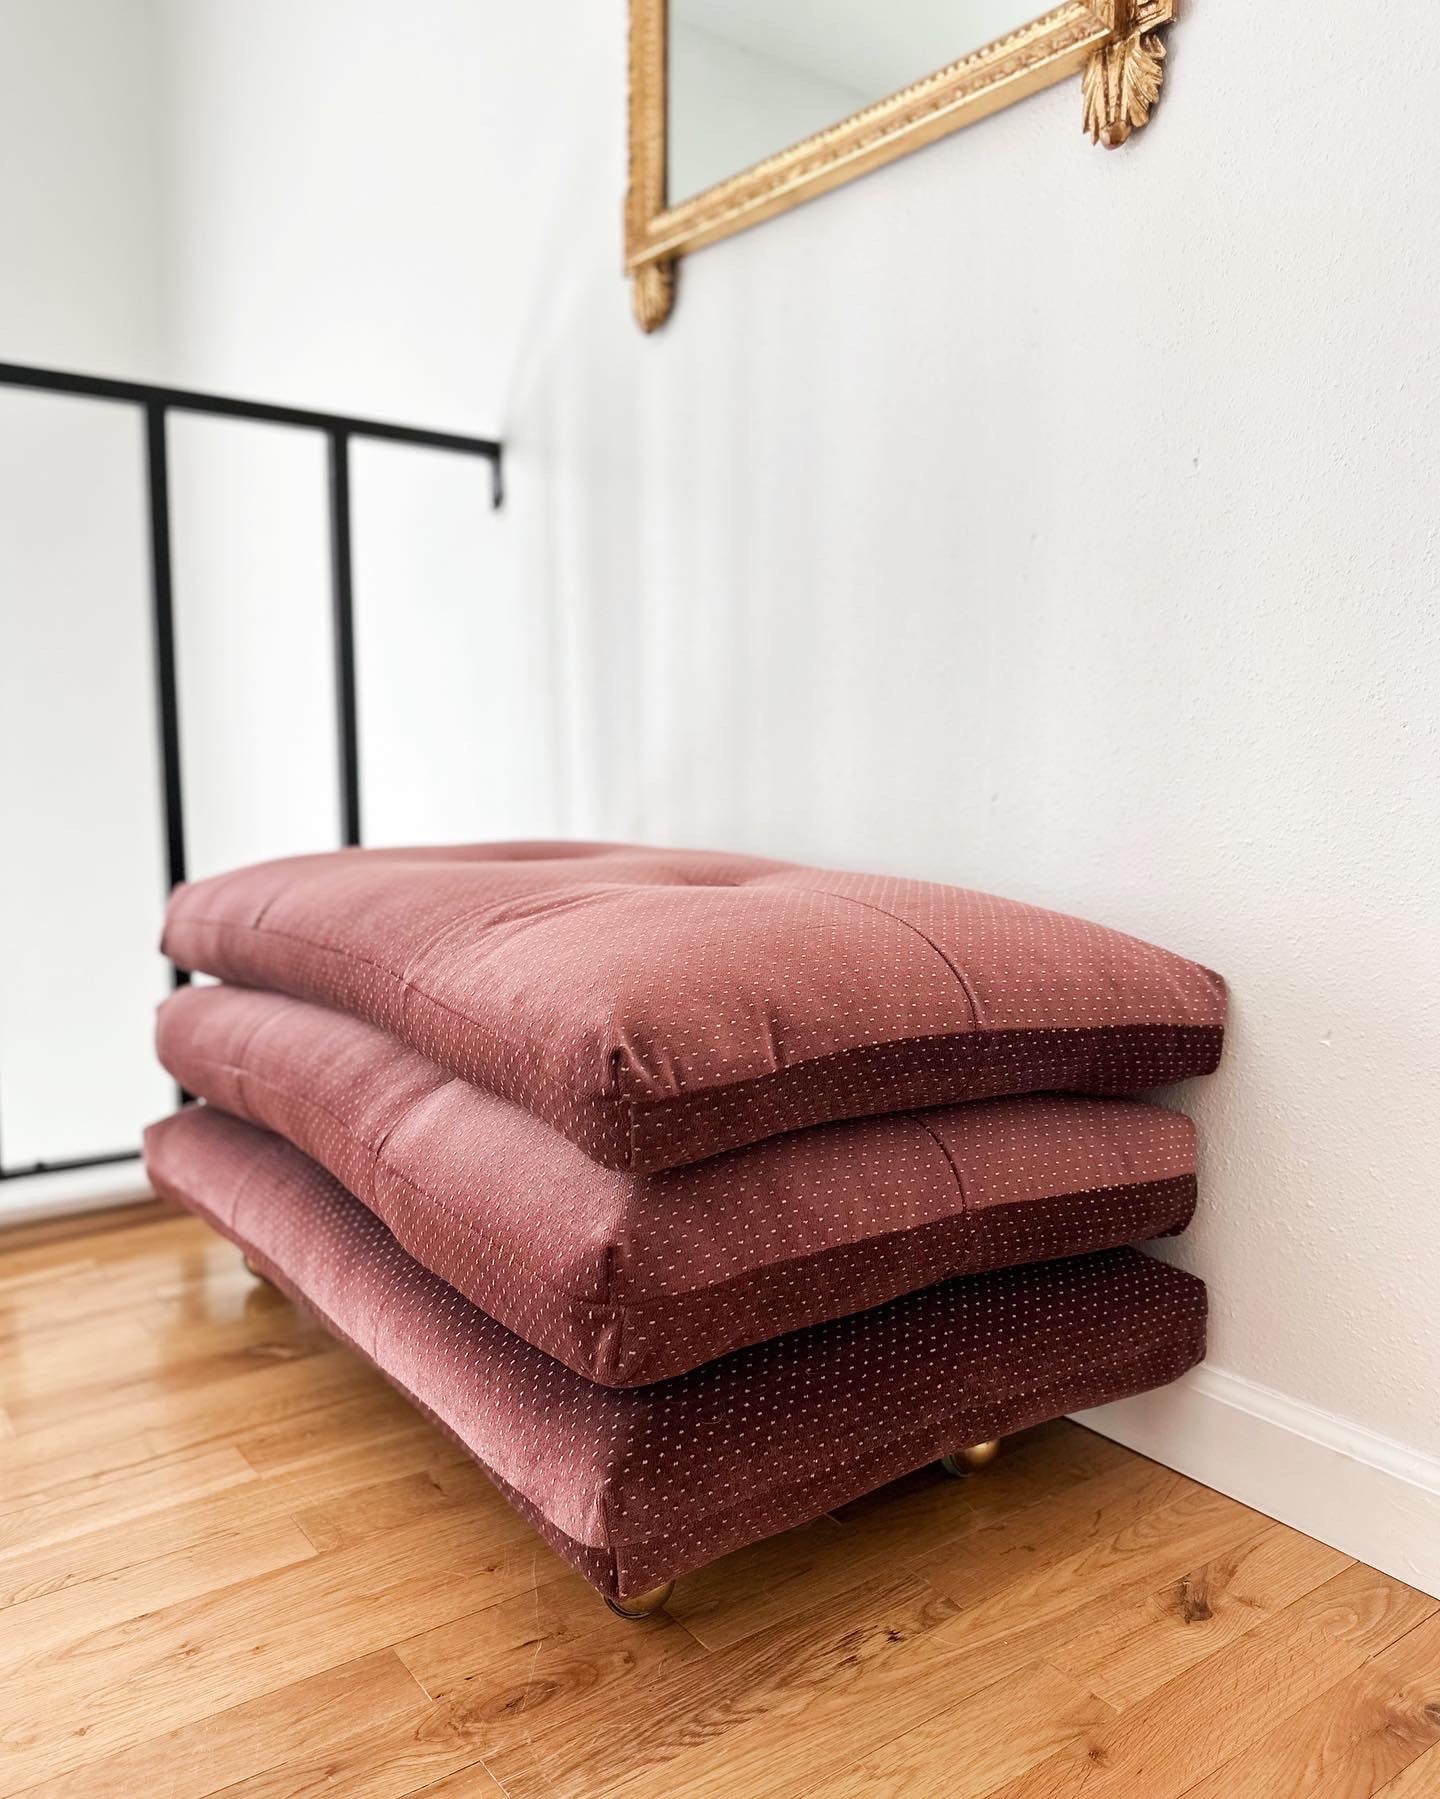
(750, 77)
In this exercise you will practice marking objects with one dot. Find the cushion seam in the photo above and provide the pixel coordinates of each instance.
(869, 905)
(950, 1163)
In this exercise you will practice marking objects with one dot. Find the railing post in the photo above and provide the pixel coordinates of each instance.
(343, 600)
(167, 703)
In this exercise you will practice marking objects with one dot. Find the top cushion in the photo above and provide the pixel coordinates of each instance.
(659, 1006)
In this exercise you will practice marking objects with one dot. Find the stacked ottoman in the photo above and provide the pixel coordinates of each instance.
(696, 1195)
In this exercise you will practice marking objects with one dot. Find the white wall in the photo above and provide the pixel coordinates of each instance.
(82, 869)
(81, 855)
(254, 646)
(81, 202)
(368, 217)
(1022, 515)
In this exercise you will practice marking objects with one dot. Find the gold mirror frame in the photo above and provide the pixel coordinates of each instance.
(1112, 41)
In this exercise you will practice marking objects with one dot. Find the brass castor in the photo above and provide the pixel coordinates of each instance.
(642, 1605)
(971, 1459)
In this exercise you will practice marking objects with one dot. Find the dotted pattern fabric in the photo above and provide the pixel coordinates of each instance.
(637, 1486)
(632, 1278)
(660, 1006)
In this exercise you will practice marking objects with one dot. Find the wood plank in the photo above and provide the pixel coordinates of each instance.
(1349, 1741)
(38, 1522)
(1421, 1780)
(388, 1759)
(1166, 1744)
(162, 1240)
(525, 1661)
(785, 1575)
(31, 1368)
(1135, 1647)
(146, 1370)
(469, 1783)
(44, 1306)
(969, 1749)
(43, 1301)
(223, 1315)
(1033, 1563)
(339, 1522)
(682, 1732)
(70, 1615)
(28, 1497)
(43, 1277)
(107, 1691)
(347, 1480)
(767, 1582)
(223, 1411)
(311, 1433)
(317, 1718)
(950, 1660)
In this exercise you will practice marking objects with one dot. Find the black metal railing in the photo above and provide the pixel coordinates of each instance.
(156, 403)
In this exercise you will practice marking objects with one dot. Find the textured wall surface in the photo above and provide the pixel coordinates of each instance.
(1064, 523)
(1022, 515)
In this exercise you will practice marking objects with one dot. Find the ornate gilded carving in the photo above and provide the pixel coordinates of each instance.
(1122, 82)
(1112, 41)
(653, 293)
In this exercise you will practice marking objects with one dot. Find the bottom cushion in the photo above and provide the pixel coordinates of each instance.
(634, 1486)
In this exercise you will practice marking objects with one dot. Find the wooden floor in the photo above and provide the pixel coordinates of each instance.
(231, 1560)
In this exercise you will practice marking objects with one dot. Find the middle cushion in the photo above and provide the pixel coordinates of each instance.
(632, 1278)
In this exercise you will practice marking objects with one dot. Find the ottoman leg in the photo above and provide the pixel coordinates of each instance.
(263, 1278)
(970, 1460)
(642, 1605)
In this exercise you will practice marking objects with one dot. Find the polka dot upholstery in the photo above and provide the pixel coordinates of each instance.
(635, 1486)
(660, 1006)
(630, 1278)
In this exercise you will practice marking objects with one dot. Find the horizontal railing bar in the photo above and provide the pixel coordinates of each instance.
(184, 399)
(65, 1167)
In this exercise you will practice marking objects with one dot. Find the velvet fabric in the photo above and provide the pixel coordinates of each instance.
(636, 1486)
(660, 1006)
(632, 1278)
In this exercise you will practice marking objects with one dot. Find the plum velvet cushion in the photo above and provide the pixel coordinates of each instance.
(659, 1006)
(629, 1278)
(638, 1485)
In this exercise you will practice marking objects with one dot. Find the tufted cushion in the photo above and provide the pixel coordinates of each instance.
(658, 1006)
(631, 1278)
(636, 1486)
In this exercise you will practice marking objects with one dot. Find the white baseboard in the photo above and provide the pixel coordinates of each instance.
(1363, 1494)
(32, 1198)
